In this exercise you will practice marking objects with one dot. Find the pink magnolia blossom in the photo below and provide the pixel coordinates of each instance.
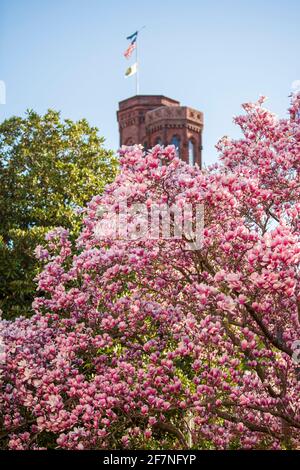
(139, 339)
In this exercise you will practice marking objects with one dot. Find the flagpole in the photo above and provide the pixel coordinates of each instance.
(137, 78)
(135, 68)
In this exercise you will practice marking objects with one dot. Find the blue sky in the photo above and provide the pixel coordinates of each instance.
(211, 55)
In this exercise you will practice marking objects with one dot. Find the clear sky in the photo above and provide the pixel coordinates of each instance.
(211, 55)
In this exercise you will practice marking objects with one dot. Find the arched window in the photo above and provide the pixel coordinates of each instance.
(191, 152)
(176, 142)
(129, 141)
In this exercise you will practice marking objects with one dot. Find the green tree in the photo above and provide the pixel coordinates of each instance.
(49, 168)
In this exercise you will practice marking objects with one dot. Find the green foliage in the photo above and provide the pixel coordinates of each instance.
(49, 168)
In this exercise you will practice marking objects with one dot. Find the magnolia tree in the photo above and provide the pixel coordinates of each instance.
(159, 342)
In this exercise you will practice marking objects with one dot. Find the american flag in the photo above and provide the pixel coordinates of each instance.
(129, 50)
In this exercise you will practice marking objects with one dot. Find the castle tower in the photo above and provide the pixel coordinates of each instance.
(154, 119)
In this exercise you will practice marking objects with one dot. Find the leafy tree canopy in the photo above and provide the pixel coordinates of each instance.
(49, 168)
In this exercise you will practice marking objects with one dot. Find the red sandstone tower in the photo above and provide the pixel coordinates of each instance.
(154, 119)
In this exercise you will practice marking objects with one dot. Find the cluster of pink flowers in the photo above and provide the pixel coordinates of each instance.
(142, 342)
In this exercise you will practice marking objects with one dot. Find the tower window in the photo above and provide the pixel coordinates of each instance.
(176, 142)
(158, 141)
(129, 141)
(191, 152)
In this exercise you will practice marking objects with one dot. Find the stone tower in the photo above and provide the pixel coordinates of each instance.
(154, 119)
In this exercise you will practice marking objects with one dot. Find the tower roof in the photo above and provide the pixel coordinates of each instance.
(147, 100)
